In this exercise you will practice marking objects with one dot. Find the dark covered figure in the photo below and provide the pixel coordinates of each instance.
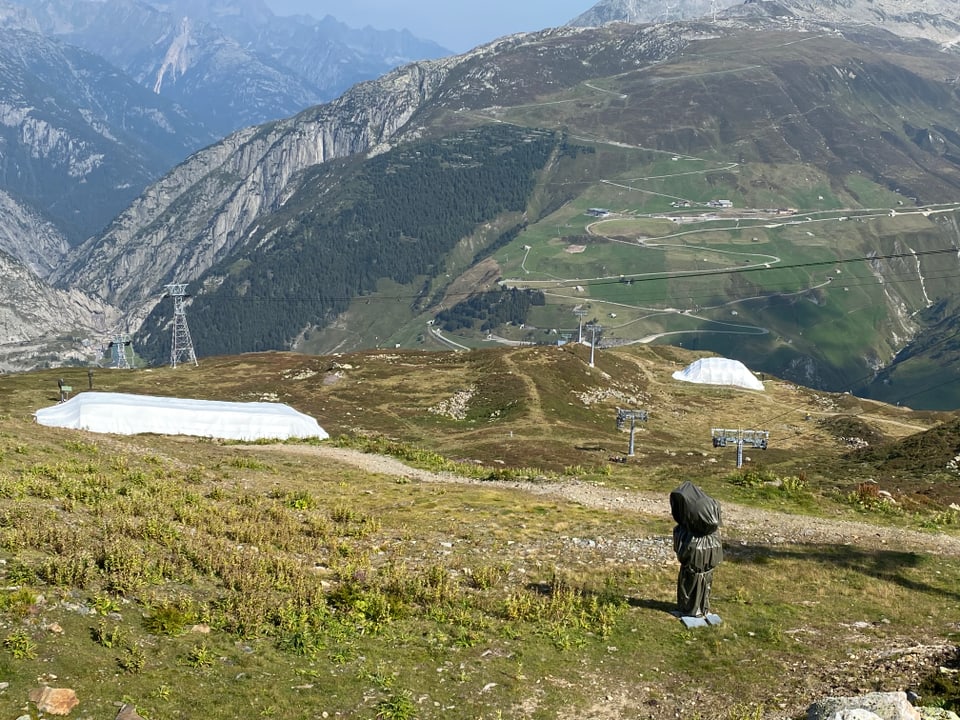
(696, 541)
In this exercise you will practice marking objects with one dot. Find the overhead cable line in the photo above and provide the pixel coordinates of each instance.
(868, 377)
(599, 282)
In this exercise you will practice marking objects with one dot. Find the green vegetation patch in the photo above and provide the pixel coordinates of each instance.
(192, 576)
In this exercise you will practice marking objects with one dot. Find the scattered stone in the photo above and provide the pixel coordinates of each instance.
(80, 609)
(55, 628)
(455, 407)
(877, 706)
(55, 701)
(935, 713)
(128, 712)
(201, 628)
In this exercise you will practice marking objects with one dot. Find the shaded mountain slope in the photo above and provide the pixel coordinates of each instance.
(81, 139)
(229, 67)
(425, 198)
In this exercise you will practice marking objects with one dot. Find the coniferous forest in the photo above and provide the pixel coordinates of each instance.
(395, 216)
(490, 309)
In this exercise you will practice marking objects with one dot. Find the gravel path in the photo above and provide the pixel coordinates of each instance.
(740, 523)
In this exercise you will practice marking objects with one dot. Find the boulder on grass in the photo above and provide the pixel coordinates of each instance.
(54, 701)
(879, 706)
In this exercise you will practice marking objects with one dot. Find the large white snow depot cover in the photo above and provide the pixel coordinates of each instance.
(125, 414)
(719, 371)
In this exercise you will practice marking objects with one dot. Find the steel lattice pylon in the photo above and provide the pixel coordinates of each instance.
(181, 345)
(118, 349)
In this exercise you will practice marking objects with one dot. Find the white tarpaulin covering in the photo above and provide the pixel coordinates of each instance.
(719, 371)
(125, 414)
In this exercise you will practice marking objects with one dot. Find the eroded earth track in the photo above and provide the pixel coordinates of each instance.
(740, 523)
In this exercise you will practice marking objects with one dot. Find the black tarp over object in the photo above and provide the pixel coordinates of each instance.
(696, 541)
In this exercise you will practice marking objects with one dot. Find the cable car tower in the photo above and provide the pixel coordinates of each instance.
(118, 349)
(580, 312)
(754, 438)
(624, 414)
(594, 329)
(181, 345)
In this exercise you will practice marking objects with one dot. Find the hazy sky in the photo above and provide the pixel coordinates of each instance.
(456, 24)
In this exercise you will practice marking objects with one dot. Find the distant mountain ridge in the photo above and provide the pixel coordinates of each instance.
(80, 139)
(647, 11)
(937, 20)
(229, 66)
(83, 132)
(78, 142)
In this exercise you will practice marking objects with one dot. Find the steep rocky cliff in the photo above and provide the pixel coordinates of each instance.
(30, 239)
(195, 215)
(46, 325)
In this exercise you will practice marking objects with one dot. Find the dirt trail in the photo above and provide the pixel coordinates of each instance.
(740, 523)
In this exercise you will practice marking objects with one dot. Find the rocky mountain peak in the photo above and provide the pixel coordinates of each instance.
(645, 11)
(176, 61)
(937, 20)
(15, 16)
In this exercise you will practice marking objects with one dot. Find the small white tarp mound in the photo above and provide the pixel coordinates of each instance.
(125, 414)
(719, 371)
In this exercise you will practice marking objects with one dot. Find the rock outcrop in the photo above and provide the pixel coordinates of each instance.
(873, 706)
(46, 325)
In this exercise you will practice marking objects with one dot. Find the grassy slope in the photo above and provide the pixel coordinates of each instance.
(757, 135)
(343, 592)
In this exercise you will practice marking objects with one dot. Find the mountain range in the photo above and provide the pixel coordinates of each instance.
(930, 19)
(775, 182)
(101, 98)
(228, 64)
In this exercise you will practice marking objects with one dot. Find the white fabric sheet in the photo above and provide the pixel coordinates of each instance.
(719, 371)
(126, 414)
